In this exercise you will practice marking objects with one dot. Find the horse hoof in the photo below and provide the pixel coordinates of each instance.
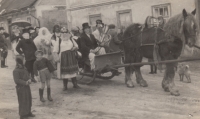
(143, 83)
(174, 92)
(166, 89)
(130, 85)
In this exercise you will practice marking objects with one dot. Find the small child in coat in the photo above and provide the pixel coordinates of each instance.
(44, 67)
(22, 80)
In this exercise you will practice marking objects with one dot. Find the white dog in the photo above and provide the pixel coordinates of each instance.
(184, 70)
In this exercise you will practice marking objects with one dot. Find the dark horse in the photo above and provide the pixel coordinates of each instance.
(179, 30)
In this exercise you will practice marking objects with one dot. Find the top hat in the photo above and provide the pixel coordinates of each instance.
(99, 21)
(31, 28)
(56, 29)
(25, 31)
(85, 25)
(1, 28)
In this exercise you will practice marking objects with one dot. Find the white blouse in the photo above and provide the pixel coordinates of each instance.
(64, 45)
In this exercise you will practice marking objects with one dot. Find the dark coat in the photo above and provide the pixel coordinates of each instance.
(3, 44)
(28, 48)
(87, 44)
(23, 91)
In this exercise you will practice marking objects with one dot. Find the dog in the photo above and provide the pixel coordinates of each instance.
(184, 70)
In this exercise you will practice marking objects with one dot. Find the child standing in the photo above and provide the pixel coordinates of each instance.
(44, 67)
(22, 80)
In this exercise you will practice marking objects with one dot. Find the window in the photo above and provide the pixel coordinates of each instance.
(163, 10)
(124, 18)
(29, 19)
(92, 19)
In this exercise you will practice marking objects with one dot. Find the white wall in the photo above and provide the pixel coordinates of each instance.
(140, 10)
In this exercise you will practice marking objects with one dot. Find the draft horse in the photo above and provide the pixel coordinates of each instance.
(180, 30)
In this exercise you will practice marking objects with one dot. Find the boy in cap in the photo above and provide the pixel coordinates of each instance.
(27, 47)
(22, 81)
(44, 67)
(3, 48)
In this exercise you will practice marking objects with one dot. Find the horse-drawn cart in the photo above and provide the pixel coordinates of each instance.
(103, 69)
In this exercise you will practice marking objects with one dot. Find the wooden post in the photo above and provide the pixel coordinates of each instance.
(69, 17)
(197, 3)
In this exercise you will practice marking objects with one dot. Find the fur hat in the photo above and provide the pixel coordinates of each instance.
(38, 52)
(85, 25)
(111, 26)
(19, 61)
(56, 29)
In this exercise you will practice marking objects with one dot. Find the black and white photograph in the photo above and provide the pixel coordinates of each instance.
(100, 59)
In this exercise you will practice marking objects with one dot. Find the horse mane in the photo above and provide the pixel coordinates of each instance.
(132, 30)
(173, 26)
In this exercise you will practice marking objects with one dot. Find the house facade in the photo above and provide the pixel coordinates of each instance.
(124, 12)
(31, 10)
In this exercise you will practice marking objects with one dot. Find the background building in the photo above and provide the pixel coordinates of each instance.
(124, 12)
(49, 12)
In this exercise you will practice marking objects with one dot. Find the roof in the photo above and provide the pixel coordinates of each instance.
(52, 2)
(12, 5)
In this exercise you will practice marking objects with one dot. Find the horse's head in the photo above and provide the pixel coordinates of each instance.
(133, 30)
(190, 28)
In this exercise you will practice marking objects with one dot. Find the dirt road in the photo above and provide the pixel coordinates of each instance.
(107, 99)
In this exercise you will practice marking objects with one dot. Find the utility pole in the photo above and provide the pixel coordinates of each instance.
(69, 17)
(197, 3)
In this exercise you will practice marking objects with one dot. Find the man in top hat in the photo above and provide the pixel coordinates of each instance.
(3, 48)
(89, 47)
(27, 48)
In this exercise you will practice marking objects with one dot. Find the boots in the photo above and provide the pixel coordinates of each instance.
(49, 94)
(74, 81)
(32, 77)
(65, 82)
(41, 91)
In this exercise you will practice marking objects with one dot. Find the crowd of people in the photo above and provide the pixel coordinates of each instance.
(41, 55)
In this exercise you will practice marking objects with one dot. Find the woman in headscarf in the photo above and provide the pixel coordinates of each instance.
(43, 42)
(68, 62)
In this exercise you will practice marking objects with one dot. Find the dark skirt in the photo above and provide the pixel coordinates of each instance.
(24, 99)
(69, 64)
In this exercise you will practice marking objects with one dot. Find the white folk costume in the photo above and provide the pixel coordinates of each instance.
(43, 42)
(68, 62)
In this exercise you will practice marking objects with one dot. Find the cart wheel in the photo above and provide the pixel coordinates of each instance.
(108, 76)
(93, 78)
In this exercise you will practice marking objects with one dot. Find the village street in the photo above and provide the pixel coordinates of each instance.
(106, 99)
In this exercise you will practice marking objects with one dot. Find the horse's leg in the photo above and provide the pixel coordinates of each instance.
(139, 77)
(168, 80)
(128, 72)
(138, 74)
(128, 75)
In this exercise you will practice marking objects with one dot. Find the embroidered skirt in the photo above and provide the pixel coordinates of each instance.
(69, 64)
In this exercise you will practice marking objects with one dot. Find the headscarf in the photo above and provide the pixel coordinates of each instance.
(46, 37)
(43, 42)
